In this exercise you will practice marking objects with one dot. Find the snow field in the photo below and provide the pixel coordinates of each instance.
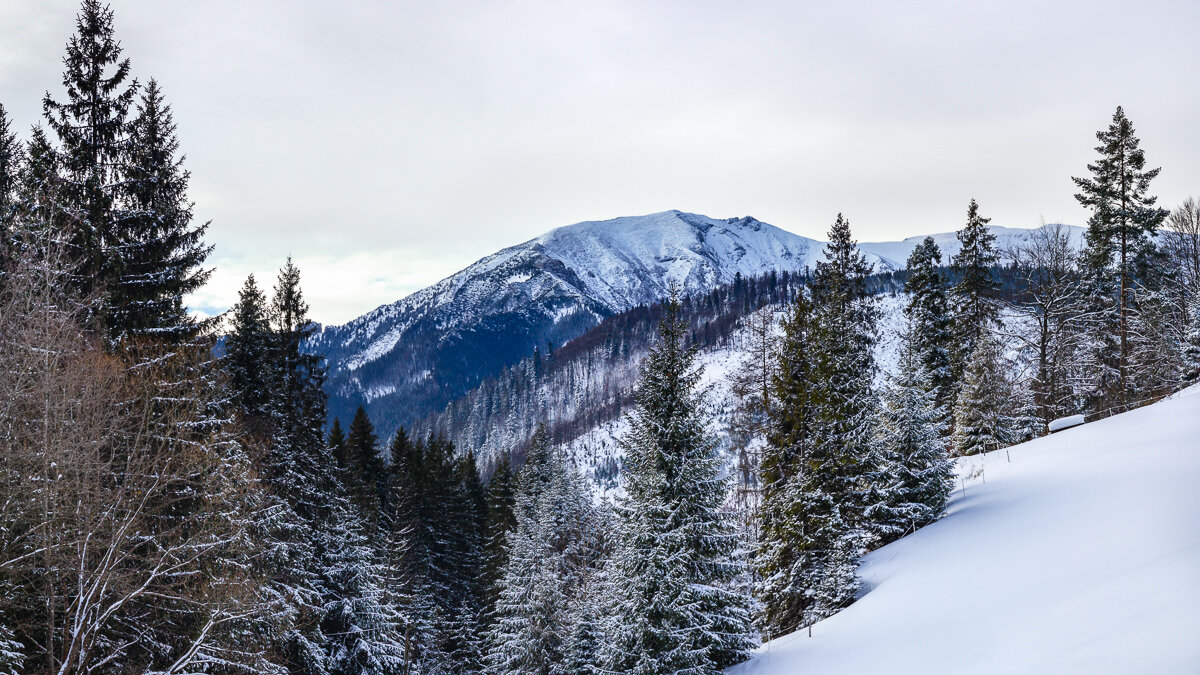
(1080, 555)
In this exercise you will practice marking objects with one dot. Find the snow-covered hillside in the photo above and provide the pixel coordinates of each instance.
(894, 254)
(593, 451)
(1080, 555)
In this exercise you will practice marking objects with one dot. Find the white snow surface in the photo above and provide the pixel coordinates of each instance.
(1081, 555)
(895, 253)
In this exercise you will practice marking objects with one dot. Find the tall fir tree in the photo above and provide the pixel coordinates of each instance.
(365, 466)
(980, 414)
(550, 553)
(1191, 344)
(11, 157)
(92, 128)
(834, 487)
(928, 312)
(158, 250)
(337, 443)
(914, 474)
(249, 358)
(974, 293)
(675, 606)
(780, 549)
(501, 520)
(1120, 235)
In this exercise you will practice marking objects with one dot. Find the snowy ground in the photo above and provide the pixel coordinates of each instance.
(1081, 555)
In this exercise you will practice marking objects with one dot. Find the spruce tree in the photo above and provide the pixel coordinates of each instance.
(973, 295)
(360, 619)
(92, 128)
(781, 537)
(980, 420)
(928, 313)
(550, 554)
(158, 250)
(11, 156)
(337, 443)
(364, 465)
(1120, 235)
(914, 474)
(835, 488)
(501, 520)
(674, 605)
(249, 359)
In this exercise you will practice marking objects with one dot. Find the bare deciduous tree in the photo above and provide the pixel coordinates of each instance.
(126, 514)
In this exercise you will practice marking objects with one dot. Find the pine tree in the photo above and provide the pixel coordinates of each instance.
(973, 296)
(501, 520)
(40, 212)
(364, 466)
(549, 555)
(92, 128)
(11, 157)
(980, 423)
(834, 488)
(928, 311)
(672, 575)
(248, 358)
(298, 471)
(157, 249)
(914, 474)
(781, 538)
(361, 622)
(337, 444)
(1120, 236)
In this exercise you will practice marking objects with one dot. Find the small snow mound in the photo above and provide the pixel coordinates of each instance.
(1066, 423)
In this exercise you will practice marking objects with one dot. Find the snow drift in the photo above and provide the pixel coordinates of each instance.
(1080, 555)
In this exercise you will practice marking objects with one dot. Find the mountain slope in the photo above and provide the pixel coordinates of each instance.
(1078, 556)
(408, 359)
(413, 356)
(894, 254)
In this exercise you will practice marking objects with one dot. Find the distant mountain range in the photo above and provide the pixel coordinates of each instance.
(407, 359)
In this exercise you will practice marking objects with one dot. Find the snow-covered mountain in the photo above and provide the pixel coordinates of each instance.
(412, 357)
(894, 254)
(1072, 553)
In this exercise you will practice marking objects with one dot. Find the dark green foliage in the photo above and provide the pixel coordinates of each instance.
(913, 474)
(435, 499)
(780, 547)
(92, 128)
(337, 444)
(1119, 252)
(819, 464)
(248, 356)
(157, 250)
(973, 297)
(928, 312)
(552, 551)
(11, 157)
(365, 469)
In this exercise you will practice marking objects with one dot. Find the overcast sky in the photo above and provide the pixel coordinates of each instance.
(388, 144)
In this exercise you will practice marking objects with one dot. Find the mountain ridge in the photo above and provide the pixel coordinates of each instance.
(405, 359)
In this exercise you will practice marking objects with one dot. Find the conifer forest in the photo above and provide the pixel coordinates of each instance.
(651, 483)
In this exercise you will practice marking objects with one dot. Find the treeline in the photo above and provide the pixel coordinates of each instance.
(162, 511)
(846, 467)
